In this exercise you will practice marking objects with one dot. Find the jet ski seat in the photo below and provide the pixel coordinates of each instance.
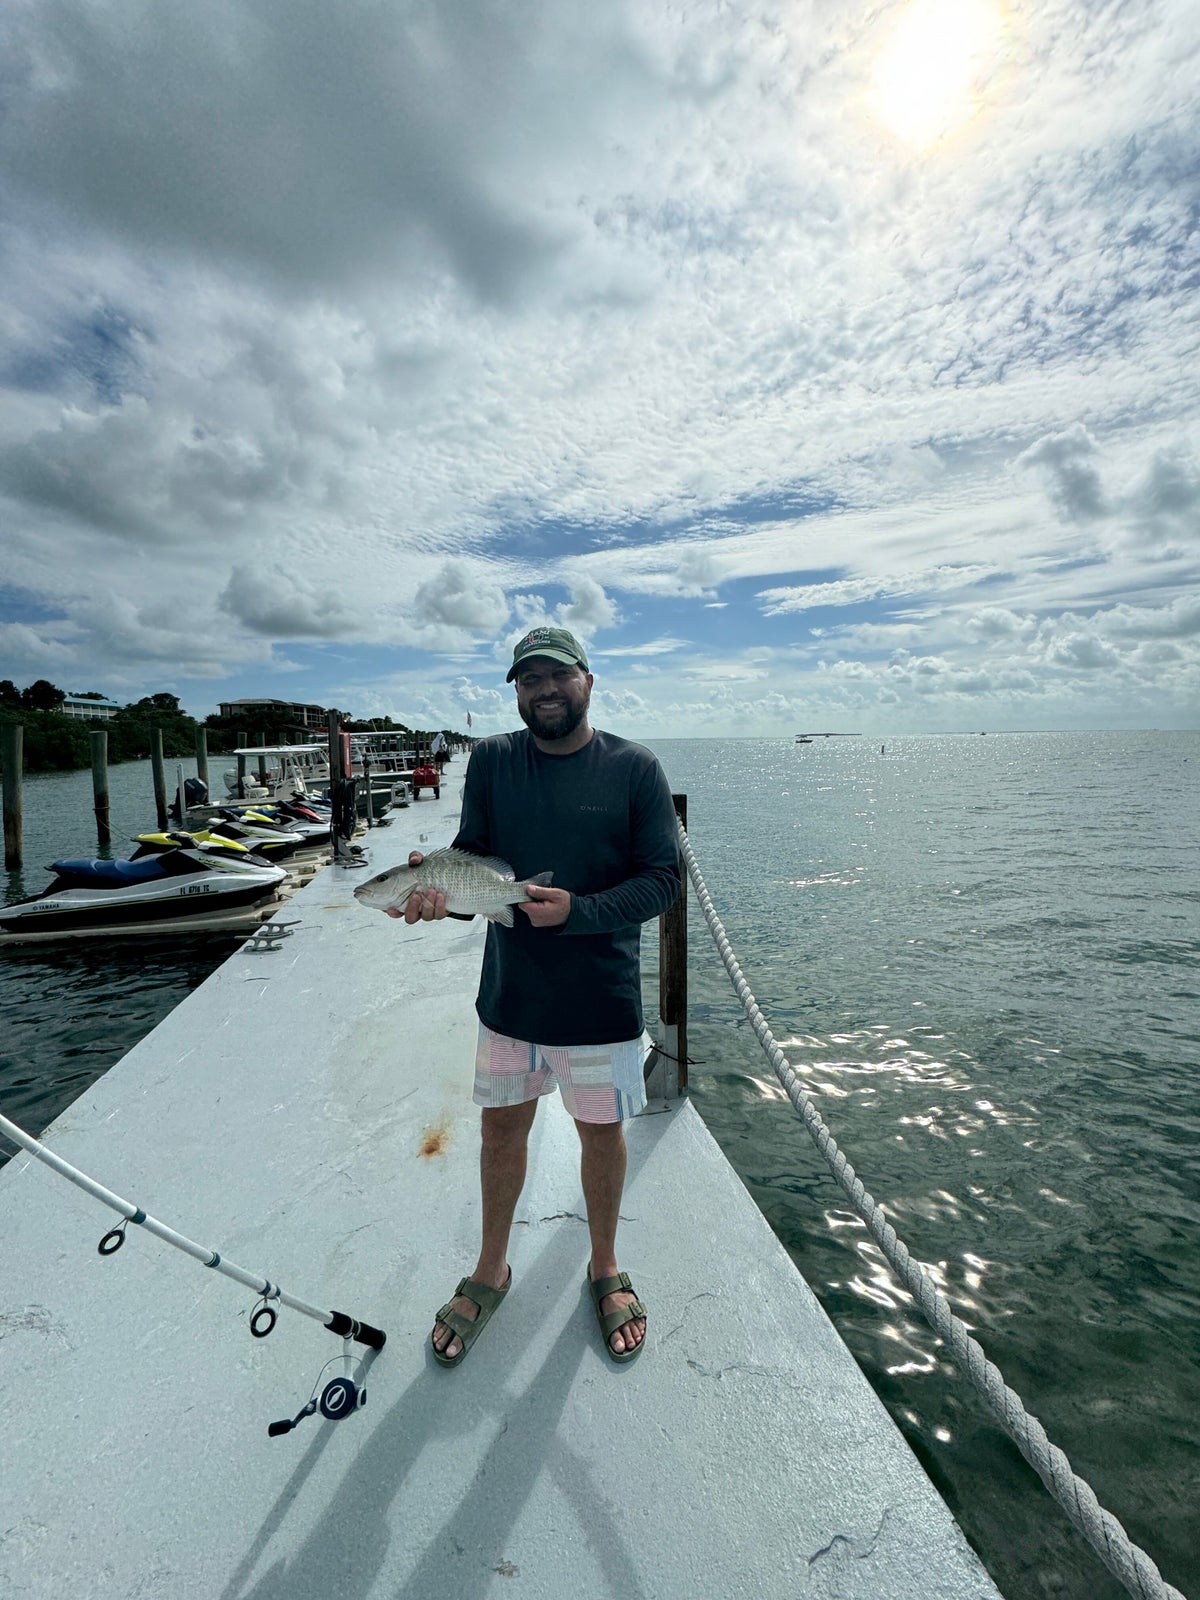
(114, 872)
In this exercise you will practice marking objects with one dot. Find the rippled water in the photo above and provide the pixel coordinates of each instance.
(68, 1012)
(981, 955)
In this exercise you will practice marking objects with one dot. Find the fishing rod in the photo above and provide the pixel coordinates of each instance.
(340, 1396)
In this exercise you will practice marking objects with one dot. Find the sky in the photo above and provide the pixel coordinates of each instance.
(822, 365)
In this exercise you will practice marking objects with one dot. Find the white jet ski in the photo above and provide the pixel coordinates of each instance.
(182, 881)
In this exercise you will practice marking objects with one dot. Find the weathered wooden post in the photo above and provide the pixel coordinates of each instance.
(262, 761)
(338, 836)
(202, 755)
(160, 779)
(242, 739)
(12, 745)
(100, 785)
(666, 1071)
(366, 766)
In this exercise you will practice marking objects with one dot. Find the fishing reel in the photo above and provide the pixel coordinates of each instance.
(340, 1397)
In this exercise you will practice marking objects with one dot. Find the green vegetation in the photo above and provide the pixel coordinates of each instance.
(55, 742)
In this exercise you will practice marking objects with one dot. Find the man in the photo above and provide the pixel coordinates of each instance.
(559, 999)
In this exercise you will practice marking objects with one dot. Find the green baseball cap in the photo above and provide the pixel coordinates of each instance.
(556, 643)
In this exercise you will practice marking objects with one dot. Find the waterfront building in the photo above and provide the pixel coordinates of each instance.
(303, 716)
(76, 705)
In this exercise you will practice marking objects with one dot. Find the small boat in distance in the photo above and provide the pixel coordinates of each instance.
(807, 738)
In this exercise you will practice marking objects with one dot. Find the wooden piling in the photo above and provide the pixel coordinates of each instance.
(667, 1073)
(261, 739)
(100, 785)
(12, 745)
(242, 739)
(202, 755)
(160, 779)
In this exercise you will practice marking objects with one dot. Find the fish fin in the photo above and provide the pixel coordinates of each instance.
(449, 853)
(504, 916)
(540, 880)
(502, 867)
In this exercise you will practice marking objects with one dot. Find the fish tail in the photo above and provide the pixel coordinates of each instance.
(540, 880)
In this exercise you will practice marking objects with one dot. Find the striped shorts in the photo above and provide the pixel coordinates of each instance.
(598, 1082)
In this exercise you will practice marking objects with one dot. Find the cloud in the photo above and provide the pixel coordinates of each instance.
(418, 325)
(589, 608)
(648, 647)
(1071, 472)
(33, 648)
(280, 603)
(315, 148)
(856, 591)
(994, 624)
(459, 597)
(1086, 650)
(1164, 504)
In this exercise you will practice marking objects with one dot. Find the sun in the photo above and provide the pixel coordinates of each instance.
(932, 73)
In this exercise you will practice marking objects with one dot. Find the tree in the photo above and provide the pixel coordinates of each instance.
(42, 696)
(10, 695)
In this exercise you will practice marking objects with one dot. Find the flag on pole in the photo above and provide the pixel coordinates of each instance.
(468, 719)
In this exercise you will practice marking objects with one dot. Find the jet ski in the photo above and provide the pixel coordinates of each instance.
(174, 882)
(262, 838)
(311, 822)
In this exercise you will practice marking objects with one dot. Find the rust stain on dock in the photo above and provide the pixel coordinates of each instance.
(435, 1141)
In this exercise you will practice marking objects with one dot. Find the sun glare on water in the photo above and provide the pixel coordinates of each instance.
(933, 70)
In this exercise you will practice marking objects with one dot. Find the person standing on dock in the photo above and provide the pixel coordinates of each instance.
(559, 998)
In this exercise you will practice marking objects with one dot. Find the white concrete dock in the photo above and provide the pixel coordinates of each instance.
(307, 1112)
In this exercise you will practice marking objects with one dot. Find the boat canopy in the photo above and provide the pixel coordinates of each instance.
(282, 750)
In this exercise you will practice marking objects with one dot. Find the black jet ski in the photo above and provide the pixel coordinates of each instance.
(311, 822)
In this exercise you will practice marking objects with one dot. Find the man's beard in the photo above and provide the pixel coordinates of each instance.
(560, 724)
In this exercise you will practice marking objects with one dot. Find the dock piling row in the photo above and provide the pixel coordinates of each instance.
(100, 786)
(12, 741)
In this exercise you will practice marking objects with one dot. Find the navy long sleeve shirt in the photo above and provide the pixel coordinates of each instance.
(601, 820)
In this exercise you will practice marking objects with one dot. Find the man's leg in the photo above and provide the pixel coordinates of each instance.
(602, 1173)
(502, 1161)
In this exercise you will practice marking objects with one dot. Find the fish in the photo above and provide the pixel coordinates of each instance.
(482, 885)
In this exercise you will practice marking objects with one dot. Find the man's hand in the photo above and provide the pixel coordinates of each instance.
(423, 905)
(546, 907)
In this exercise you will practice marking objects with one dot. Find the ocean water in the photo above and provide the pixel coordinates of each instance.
(982, 956)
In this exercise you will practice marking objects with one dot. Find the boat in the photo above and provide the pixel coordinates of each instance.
(181, 881)
(277, 771)
(301, 771)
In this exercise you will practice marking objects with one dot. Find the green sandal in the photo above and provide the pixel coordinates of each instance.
(611, 1321)
(486, 1298)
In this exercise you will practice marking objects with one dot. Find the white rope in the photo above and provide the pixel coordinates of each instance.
(1132, 1566)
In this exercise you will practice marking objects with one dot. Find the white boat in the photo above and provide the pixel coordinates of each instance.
(278, 771)
(282, 771)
